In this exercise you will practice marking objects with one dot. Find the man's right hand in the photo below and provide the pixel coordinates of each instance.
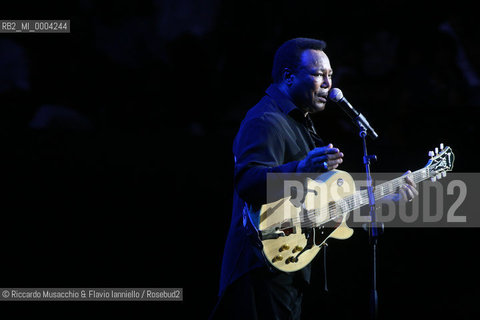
(315, 159)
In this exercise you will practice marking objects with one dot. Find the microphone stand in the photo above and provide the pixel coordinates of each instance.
(374, 229)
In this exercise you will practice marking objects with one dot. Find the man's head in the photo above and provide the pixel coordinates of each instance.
(302, 70)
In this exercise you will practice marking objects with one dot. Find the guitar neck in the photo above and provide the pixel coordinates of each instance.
(360, 198)
(438, 164)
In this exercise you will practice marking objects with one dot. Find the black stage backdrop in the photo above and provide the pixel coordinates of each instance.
(116, 162)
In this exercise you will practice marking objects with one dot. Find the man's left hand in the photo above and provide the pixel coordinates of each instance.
(408, 191)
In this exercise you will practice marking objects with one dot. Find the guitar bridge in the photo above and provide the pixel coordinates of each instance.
(275, 233)
(271, 234)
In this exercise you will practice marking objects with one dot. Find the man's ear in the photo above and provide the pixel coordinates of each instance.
(288, 76)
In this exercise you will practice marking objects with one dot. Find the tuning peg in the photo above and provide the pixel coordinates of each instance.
(431, 154)
(433, 179)
(441, 146)
(436, 150)
(444, 174)
(439, 176)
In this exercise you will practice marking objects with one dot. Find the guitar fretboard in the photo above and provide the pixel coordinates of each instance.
(360, 198)
(441, 163)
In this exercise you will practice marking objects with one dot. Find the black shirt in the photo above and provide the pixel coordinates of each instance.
(273, 137)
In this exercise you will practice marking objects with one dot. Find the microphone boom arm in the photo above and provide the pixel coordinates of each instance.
(359, 119)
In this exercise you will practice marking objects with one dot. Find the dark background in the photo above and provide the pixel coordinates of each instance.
(116, 162)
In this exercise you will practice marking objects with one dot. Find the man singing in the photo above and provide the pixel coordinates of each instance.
(276, 136)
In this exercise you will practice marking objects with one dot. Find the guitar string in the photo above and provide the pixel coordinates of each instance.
(349, 203)
(346, 205)
(418, 176)
(353, 201)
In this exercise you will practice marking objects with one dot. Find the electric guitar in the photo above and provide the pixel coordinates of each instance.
(291, 236)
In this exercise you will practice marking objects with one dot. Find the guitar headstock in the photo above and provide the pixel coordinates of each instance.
(440, 162)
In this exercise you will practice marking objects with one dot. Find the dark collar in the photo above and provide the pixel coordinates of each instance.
(284, 103)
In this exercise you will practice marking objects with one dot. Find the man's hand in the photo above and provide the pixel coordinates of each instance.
(321, 159)
(408, 191)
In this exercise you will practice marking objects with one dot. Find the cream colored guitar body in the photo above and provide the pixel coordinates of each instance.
(291, 250)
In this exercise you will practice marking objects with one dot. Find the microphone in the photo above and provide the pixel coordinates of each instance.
(336, 96)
